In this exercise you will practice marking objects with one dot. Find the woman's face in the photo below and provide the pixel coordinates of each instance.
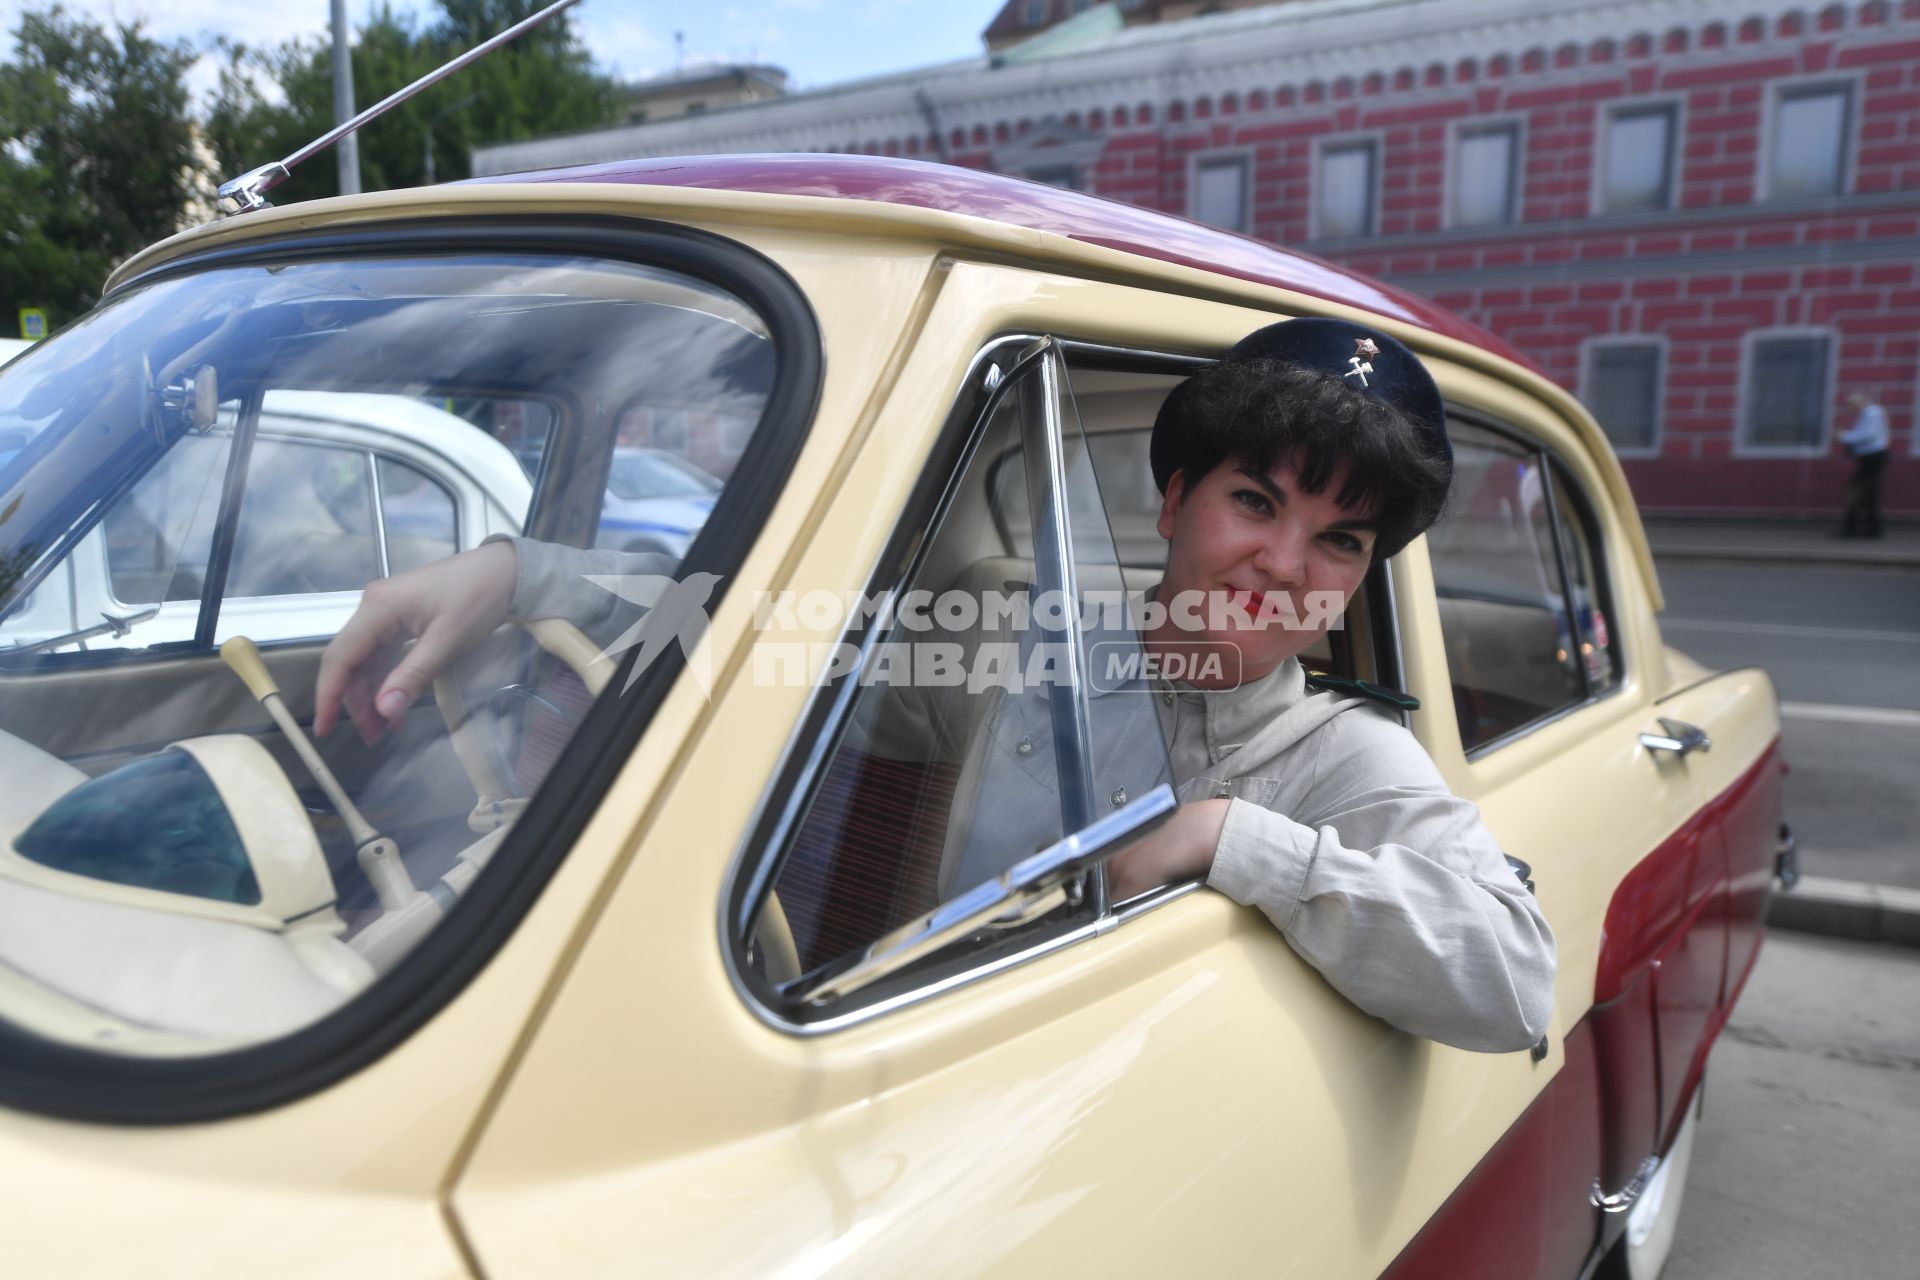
(1274, 564)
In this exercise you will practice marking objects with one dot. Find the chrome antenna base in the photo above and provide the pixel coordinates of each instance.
(247, 192)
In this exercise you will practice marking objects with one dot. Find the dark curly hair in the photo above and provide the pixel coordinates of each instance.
(1259, 413)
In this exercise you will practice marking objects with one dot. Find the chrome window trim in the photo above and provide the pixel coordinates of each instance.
(815, 735)
(931, 990)
(1042, 435)
(380, 515)
(1154, 899)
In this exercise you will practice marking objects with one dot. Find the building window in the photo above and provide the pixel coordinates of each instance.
(1638, 165)
(1786, 390)
(1486, 173)
(1808, 155)
(1062, 175)
(1343, 203)
(1622, 388)
(1220, 193)
(1036, 13)
(696, 108)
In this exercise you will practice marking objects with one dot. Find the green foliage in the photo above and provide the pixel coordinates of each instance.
(96, 156)
(97, 133)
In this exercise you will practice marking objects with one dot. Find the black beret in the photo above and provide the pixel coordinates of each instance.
(1363, 358)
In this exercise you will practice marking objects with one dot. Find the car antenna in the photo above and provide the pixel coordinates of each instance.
(248, 191)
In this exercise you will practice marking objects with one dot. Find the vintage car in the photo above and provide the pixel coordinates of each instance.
(626, 954)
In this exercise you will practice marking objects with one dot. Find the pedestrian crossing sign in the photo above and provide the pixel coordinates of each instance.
(33, 323)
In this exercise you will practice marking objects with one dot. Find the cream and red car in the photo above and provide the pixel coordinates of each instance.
(665, 981)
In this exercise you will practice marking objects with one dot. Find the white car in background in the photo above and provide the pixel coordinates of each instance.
(366, 485)
(656, 501)
(11, 347)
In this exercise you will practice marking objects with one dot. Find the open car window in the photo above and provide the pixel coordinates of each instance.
(981, 723)
(237, 452)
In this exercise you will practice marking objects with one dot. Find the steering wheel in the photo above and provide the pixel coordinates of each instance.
(498, 803)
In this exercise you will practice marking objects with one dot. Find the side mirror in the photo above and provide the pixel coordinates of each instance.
(1026, 891)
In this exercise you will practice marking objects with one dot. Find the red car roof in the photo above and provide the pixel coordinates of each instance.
(1039, 208)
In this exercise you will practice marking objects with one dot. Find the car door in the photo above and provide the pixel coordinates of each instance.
(1164, 1087)
(1547, 656)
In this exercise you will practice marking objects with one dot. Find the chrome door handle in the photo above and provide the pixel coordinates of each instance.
(1678, 737)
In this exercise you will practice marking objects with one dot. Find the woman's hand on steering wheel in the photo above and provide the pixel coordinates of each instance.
(446, 608)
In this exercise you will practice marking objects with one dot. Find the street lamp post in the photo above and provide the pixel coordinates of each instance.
(349, 153)
(434, 123)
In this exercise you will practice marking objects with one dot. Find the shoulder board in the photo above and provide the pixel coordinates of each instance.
(1363, 689)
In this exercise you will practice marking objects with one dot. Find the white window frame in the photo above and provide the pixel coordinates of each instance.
(1748, 342)
(1913, 420)
(1516, 178)
(1855, 85)
(1209, 159)
(1373, 139)
(1676, 107)
(1662, 348)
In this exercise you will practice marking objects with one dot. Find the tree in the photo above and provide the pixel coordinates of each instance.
(96, 156)
(544, 82)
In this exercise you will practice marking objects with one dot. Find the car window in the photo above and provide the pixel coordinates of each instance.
(953, 761)
(1599, 649)
(1126, 487)
(418, 518)
(306, 521)
(198, 477)
(1512, 650)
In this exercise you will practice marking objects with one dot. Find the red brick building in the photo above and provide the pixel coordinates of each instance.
(1704, 217)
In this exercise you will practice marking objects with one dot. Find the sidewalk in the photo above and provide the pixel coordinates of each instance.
(1779, 541)
(1847, 909)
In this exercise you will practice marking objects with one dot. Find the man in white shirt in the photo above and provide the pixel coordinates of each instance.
(1867, 442)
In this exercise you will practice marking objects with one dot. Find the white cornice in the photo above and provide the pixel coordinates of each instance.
(1236, 52)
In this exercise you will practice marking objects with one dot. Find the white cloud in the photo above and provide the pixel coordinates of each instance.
(622, 42)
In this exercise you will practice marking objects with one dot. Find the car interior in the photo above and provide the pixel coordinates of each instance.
(167, 793)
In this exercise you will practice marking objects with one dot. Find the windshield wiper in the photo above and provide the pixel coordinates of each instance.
(118, 628)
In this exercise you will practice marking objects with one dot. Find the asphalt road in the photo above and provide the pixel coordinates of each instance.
(1843, 648)
(1809, 1149)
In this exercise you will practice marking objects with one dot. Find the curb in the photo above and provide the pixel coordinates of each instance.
(1793, 555)
(1848, 909)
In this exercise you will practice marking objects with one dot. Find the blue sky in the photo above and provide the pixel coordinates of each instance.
(817, 41)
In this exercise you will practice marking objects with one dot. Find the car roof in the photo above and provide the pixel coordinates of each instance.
(1033, 206)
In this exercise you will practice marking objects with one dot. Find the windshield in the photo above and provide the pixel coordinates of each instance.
(234, 455)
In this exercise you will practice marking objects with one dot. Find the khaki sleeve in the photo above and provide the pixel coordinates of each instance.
(555, 581)
(1392, 887)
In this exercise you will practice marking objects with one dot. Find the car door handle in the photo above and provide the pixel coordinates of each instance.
(1678, 737)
